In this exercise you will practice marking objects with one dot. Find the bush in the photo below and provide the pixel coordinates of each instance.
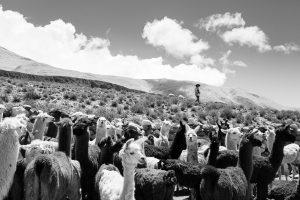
(73, 97)
(4, 98)
(114, 104)
(227, 113)
(248, 119)
(174, 108)
(16, 99)
(31, 94)
(138, 108)
(8, 89)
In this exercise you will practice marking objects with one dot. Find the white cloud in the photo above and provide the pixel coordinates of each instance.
(287, 48)
(200, 60)
(250, 36)
(176, 40)
(58, 44)
(226, 63)
(239, 63)
(228, 20)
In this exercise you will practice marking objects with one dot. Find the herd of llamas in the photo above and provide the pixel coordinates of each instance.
(74, 156)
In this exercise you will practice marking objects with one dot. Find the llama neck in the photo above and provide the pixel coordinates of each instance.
(245, 158)
(128, 185)
(192, 153)
(100, 133)
(277, 154)
(298, 185)
(64, 140)
(81, 147)
(176, 147)
(213, 152)
(1, 116)
(164, 132)
(230, 145)
(38, 129)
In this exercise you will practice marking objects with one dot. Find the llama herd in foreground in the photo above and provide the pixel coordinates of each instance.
(78, 156)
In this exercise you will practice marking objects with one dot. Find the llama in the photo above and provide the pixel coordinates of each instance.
(112, 186)
(9, 152)
(192, 153)
(64, 173)
(2, 109)
(285, 190)
(265, 168)
(290, 153)
(163, 139)
(101, 129)
(39, 125)
(174, 151)
(18, 110)
(87, 156)
(232, 138)
(154, 184)
(52, 128)
(232, 182)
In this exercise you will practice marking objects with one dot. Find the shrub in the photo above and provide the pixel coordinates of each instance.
(87, 102)
(248, 119)
(138, 108)
(16, 99)
(31, 94)
(73, 97)
(4, 98)
(174, 108)
(8, 89)
(227, 113)
(239, 117)
(114, 104)
(201, 115)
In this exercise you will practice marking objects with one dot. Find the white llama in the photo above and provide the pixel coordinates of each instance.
(112, 186)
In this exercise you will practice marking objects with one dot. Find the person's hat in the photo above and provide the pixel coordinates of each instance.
(197, 85)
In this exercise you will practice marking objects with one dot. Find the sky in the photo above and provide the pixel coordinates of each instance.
(253, 45)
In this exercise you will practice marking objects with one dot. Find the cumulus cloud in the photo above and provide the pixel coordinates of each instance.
(59, 45)
(227, 20)
(176, 40)
(239, 63)
(226, 63)
(287, 48)
(251, 36)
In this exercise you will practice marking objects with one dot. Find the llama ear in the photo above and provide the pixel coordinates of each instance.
(197, 128)
(128, 143)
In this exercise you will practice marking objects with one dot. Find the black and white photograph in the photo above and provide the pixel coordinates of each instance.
(149, 100)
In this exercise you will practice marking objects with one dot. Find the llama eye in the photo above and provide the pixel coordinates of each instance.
(131, 153)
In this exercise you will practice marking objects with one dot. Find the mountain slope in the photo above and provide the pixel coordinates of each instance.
(12, 62)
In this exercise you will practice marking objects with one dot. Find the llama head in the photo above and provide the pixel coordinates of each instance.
(57, 113)
(254, 137)
(234, 134)
(111, 131)
(285, 133)
(43, 118)
(33, 150)
(81, 125)
(150, 140)
(12, 125)
(2, 108)
(102, 122)
(132, 153)
(166, 126)
(64, 122)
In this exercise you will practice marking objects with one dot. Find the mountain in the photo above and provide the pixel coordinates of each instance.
(10, 61)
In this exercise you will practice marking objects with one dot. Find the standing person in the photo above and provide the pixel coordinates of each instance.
(197, 93)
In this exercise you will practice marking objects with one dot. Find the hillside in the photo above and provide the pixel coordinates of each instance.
(12, 62)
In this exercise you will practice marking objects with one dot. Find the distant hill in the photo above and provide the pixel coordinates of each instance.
(10, 61)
